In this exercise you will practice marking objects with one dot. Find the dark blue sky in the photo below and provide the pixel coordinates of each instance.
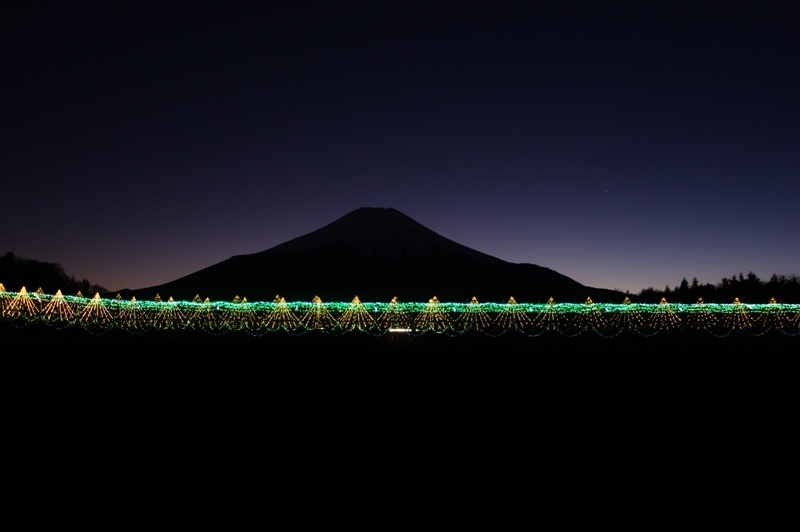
(624, 144)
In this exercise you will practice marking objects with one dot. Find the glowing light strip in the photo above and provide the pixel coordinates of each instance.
(376, 319)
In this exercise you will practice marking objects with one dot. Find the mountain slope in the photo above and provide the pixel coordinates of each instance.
(375, 254)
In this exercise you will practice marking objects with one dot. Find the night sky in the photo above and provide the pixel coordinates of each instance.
(624, 144)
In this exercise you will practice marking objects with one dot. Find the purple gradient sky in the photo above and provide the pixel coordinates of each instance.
(621, 144)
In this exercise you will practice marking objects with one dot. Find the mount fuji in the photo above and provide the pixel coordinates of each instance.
(375, 254)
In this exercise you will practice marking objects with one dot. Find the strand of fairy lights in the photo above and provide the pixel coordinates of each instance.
(378, 318)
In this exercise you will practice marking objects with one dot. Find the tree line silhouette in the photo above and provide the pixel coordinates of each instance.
(16, 272)
(747, 288)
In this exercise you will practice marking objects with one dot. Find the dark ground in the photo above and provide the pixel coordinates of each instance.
(480, 426)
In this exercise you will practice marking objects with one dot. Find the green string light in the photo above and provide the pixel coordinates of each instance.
(378, 318)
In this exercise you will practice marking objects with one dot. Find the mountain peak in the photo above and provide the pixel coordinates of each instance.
(376, 253)
(378, 233)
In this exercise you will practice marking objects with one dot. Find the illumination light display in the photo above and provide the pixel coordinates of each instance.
(607, 320)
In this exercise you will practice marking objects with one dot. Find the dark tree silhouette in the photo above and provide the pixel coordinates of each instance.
(16, 272)
(747, 288)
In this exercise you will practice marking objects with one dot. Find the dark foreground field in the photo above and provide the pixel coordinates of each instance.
(478, 426)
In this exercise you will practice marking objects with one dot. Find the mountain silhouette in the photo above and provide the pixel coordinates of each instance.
(376, 254)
